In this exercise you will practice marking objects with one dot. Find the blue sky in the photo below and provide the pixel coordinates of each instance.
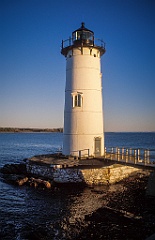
(32, 69)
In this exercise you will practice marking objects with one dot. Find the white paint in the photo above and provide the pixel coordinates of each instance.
(83, 124)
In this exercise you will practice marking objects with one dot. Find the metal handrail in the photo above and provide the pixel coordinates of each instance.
(141, 155)
(79, 151)
(69, 42)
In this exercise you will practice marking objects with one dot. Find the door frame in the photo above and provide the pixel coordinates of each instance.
(97, 146)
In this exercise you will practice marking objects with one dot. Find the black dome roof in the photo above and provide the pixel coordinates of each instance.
(83, 29)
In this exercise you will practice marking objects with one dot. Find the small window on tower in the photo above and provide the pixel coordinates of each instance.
(77, 99)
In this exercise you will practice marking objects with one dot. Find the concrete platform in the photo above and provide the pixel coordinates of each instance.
(90, 171)
(68, 162)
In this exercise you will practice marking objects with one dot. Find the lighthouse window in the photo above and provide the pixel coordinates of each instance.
(77, 100)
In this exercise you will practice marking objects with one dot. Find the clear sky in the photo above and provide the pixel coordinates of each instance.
(32, 69)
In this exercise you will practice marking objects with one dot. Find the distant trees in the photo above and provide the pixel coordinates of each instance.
(16, 130)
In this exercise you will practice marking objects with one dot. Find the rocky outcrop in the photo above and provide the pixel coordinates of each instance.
(22, 181)
(36, 182)
(14, 169)
(17, 174)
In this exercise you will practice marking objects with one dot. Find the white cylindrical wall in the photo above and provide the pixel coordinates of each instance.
(82, 125)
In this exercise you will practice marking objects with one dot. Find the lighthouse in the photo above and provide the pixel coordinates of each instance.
(83, 134)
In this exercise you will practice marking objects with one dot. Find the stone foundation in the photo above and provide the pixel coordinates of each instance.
(91, 176)
(108, 175)
(40, 170)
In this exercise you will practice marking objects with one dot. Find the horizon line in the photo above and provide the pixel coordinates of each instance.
(54, 128)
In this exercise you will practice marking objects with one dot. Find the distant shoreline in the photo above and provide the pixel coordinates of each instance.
(48, 130)
(29, 130)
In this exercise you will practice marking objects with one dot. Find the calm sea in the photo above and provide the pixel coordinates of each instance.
(23, 208)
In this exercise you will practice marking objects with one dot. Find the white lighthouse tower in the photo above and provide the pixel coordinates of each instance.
(83, 115)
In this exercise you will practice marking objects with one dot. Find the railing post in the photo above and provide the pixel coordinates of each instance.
(88, 152)
(135, 156)
(122, 153)
(127, 155)
(138, 153)
(105, 151)
(148, 156)
(118, 154)
(145, 157)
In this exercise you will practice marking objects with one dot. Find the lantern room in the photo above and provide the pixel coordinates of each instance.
(83, 36)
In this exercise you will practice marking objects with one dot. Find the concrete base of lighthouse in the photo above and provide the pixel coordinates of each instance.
(89, 172)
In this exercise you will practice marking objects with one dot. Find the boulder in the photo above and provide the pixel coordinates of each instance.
(22, 181)
(14, 169)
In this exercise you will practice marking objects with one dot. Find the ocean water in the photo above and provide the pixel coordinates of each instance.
(24, 208)
(135, 140)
